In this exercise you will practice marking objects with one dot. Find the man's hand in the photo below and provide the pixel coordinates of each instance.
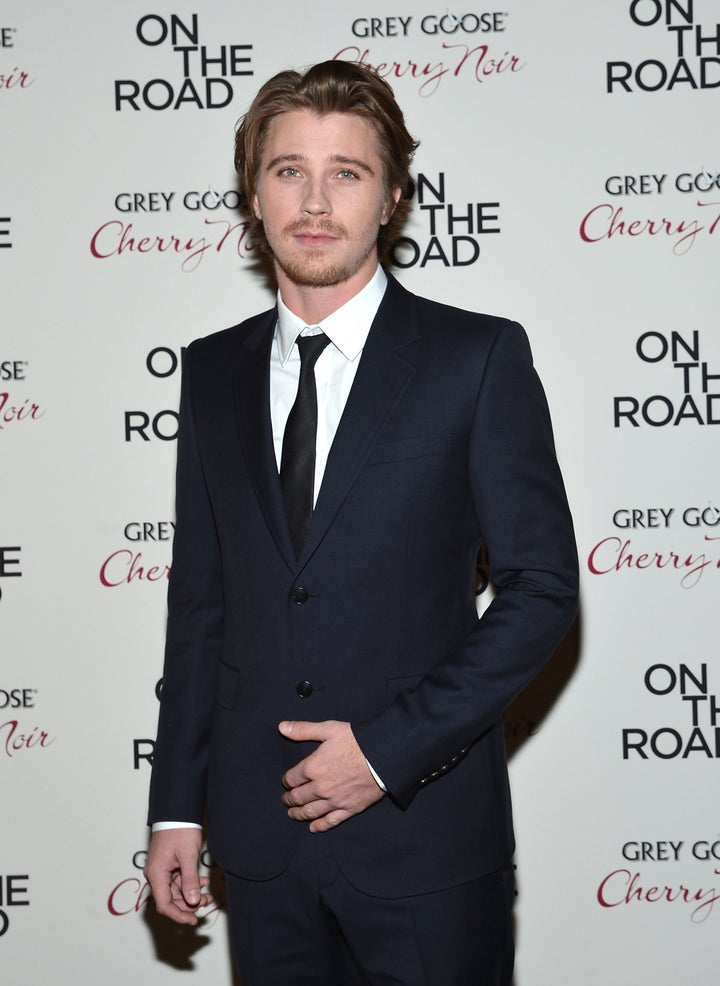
(172, 872)
(334, 782)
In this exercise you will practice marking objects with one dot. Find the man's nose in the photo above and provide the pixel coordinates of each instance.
(316, 201)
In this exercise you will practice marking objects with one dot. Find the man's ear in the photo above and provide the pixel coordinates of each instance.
(390, 207)
(256, 207)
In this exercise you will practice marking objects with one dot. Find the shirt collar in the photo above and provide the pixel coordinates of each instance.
(347, 327)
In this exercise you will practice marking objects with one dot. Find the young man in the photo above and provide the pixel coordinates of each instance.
(330, 696)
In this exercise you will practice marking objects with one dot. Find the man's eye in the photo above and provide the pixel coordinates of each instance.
(290, 172)
(347, 173)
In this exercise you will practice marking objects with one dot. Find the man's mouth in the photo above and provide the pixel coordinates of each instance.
(309, 238)
(316, 235)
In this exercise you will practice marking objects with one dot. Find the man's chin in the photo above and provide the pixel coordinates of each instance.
(309, 275)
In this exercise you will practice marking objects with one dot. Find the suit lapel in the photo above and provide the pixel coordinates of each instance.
(386, 367)
(252, 406)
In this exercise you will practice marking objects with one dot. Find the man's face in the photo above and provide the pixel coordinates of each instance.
(321, 197)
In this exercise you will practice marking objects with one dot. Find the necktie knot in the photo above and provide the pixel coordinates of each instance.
(310, 348)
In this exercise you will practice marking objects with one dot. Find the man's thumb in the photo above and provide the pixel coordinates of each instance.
(298, 729)
(190, 882)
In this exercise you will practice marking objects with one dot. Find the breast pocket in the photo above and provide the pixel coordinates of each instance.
(410, 448)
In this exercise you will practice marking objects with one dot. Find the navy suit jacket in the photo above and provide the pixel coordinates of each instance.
(445, 442)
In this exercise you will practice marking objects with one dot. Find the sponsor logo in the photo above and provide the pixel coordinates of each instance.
(651, 518)
(205, 75)
(698, 400)
(643, 877)
(688, 56)
(454, 54)
(618, 554)
(453, 230)
(214, 235)
(630, 215)
(691, 694)
(432, 24)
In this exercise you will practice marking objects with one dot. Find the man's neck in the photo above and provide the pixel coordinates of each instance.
(313, 304)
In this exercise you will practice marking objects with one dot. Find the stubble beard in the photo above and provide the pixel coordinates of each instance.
(312, 270)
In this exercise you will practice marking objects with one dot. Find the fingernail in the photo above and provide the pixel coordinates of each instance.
(193, 896)
(286, 727)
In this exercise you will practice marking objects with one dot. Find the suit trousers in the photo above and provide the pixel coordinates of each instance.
(310, 927)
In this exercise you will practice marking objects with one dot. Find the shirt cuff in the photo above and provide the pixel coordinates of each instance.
(376, 777)
(162, 826)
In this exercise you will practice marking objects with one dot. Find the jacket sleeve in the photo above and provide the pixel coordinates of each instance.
(194, 637)
(520, 502)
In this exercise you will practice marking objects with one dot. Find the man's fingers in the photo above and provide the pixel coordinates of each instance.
(330, 821)
(170, 903)
(294, 778)
(309, 811)
(300, 794)
(299, 730)
(179, 895)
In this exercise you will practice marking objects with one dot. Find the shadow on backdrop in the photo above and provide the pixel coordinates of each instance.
(177, 945)
(524, 718)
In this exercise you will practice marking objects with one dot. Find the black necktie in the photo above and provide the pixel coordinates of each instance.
(297, 464)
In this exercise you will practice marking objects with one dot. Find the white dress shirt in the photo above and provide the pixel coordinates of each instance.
(347, 328)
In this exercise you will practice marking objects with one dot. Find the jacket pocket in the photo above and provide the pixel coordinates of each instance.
(406, 683)
(410, 448)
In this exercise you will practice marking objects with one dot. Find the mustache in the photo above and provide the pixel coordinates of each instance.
(320, 226)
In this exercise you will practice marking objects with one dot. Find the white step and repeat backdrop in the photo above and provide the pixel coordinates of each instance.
(567, 177)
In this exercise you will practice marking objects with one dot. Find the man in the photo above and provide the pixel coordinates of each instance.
(330, 696)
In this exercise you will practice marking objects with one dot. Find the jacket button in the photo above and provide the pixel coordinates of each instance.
(304, 689)
(299, 595)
